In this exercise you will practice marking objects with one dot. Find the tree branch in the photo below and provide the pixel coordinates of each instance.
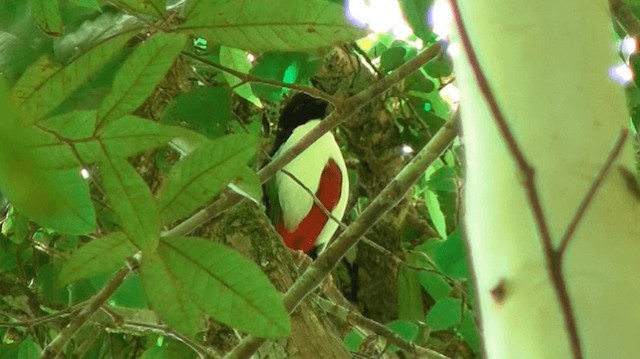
(57, 344)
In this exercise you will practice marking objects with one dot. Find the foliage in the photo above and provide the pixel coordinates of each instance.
(122, 120)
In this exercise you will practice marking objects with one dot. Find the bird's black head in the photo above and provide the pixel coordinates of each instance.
(300, 109)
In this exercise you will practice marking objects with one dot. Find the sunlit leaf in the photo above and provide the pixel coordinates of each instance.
(101, 255)
(237, 59)
(277, 66)
(268, 25)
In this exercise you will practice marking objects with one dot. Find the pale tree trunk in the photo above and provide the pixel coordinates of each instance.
(546, 65)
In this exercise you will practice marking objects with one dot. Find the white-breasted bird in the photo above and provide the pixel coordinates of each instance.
(300, 221)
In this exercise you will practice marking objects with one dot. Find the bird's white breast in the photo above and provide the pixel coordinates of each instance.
(295, 201)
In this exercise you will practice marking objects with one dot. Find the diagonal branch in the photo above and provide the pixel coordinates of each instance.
(354, 318)
(57, 344)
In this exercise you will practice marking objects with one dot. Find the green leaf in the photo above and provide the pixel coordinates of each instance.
(237, 59)
(270, 25)
(148, 7)
(434, 284)
(46, 15)
(445, 314)
(418, 82)
(409, 295)
(433, 206)
(100, 255)
(203, 174)
(44, 86)
(469, 332)
(206, 110)
(57, 199)
(227, 286)
(435, 212)
(392, 58)
(167, 295)
(451, 257)
(133, 204)
(416, 14)
(248, 185)
(140, 74)
(28, 349)
(353, 340)
(128, 294)
(15, 226)
(439, 67)
(52, 151)
(130, 135)
(405, 329)
(77, 125)
(443, 179)
(280, 66)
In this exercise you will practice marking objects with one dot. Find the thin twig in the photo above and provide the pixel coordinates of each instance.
(244, 77)
(203, 352)
(586, 201)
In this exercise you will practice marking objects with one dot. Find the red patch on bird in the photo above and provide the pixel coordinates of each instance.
(304, 237)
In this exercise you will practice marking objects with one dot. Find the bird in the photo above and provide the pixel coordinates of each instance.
(320, 169)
